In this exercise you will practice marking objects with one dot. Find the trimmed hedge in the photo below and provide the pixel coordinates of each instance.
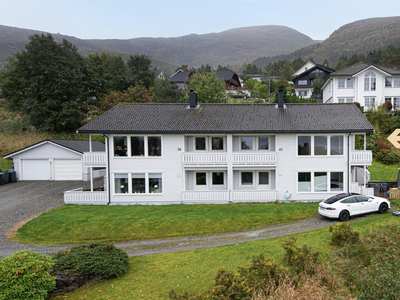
(97, 258)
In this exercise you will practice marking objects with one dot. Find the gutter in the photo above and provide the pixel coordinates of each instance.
(348, 163)
(108, 170)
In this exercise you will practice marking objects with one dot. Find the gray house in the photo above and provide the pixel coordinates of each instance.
(226, 153)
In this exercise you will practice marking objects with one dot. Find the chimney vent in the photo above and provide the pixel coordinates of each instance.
(192, 99)
(370, 58)
(281, 99)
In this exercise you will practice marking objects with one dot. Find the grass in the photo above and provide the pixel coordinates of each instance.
(76, 224)
(382, 172)
(153, 276)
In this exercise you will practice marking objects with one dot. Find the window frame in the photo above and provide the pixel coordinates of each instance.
(129, 148)
(370, 81)
(329, 147)
(302, 82)
(328, 182)
(369, 99)
(130, 190)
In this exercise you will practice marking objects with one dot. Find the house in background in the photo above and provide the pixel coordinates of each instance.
(308, 65)
(57, 160)
(304, 81)
(180, 77)
(159, 74)
(368, 84)
(228, 153)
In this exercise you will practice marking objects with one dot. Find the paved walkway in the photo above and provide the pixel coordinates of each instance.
(24, 200)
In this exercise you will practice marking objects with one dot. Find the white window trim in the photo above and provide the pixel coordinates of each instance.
(146, 184)
(313, 145)
(202, 187)
(328, 183)
(206, 144)
(253, 144)
(129, 149)
(217, 185)
(243, 186)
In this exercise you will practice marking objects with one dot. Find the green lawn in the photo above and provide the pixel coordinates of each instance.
(153, 276)
(382, 172)
(77, 224)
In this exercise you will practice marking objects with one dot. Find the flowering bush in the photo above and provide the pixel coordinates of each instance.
(342, 234)
(300, 259)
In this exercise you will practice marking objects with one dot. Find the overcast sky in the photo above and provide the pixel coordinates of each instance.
(124, 19)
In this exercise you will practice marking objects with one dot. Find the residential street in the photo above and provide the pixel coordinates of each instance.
(23, 200)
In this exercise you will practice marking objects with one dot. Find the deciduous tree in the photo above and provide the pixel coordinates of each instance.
(209, 88)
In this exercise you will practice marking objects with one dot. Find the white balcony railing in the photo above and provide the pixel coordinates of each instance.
(204, 159)
(80, 197)
(361, 157)
(254, 158)
(355, 187)
(224, 197)
(94, 158)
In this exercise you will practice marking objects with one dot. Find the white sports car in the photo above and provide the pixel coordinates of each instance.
(343, 206)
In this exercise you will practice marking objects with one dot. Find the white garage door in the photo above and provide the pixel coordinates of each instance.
(35, 169)
(67, 169)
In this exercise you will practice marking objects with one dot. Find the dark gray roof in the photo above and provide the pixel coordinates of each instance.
(180, 76)
(317, 66)
(356, 68)
(75, 145)
(80, 145)
(224, 74)
(229, 118)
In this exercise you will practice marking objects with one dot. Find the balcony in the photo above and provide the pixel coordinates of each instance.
(205, 159)
(260, 196)
(78, 196)
(94, 159)
(254, 159)
(360, 157)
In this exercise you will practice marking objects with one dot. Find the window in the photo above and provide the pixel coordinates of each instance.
(350, 83)
(302, 82)
(370, 81)
(304, 182)
(201, 178)
(246, 143)
(154, 145)
(121, 183)
(263, 143)
(138, 183)
(263, 178)
(369, 101)
(302, 93)
(304, 145)
(120, 146)
(217, 143)
(341, 100)
(336, 145)
(388, 82)
(320, 182)
(341, 83)
(155, 183)
(217, 178)
(320, 145)
(247, 178)
(396, 82)
(200, 143)
(396, 102)
(137, 145)
(349, 100)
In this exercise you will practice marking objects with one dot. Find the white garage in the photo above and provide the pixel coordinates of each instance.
(54, 160)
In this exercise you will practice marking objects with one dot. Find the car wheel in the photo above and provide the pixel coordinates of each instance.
(383, 208)
(344, 216)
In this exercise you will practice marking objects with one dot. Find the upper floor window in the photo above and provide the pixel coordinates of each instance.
(137, 146)
(341, 83)
(320, 145)
(345, 83)
(217, 143)
(302, 82)
(388, 82)
(246, 143)
(392, 82)
(396, 82)
(263, 143)
(350, 83)
(370, 81)
(200, 143)
(302, 93)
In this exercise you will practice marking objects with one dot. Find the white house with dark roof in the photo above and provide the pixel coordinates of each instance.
(57, 159)
(368, 84)
(228, 153)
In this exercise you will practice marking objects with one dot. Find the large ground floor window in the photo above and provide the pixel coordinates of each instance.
(138, 183)
(318, 182)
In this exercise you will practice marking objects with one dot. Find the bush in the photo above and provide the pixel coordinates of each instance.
(342, 234)
(300, 259)
(25, 275)
(97, 258)
(391, 158)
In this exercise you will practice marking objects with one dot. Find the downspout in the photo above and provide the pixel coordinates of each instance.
(348, 163)
(108, 170)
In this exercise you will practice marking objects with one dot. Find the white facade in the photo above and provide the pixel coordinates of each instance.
(371, 88)
(229, 168)
(307, 66)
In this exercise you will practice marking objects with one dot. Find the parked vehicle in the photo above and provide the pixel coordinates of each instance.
(345, 205)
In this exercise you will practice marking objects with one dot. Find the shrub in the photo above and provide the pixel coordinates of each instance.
(342, 234)
(391, 158)
(98, 258)
(300, 259)
(25, 275)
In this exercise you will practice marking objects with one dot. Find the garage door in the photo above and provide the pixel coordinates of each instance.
(67, 169)
(35, 169)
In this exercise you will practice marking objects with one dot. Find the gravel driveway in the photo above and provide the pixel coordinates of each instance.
(26, 199)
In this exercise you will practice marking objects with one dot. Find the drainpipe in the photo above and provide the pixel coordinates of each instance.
(108, 169)
(348, 163)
